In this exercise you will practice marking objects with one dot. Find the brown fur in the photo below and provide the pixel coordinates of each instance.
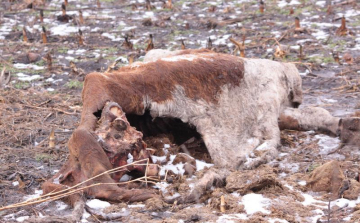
(201, 79)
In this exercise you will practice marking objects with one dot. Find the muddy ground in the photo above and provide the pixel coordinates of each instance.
(40, 98)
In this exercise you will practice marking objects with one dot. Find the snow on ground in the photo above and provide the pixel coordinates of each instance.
(97, 204)
(255, 203)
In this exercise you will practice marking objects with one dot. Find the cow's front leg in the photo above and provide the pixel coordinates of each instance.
(268, 136)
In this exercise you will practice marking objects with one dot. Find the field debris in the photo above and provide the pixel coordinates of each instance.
(48, 47)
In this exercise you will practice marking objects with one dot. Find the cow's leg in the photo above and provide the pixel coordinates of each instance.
(309, 118)
(268, 133)
(213, 177)
(350, 130)
(319, 119)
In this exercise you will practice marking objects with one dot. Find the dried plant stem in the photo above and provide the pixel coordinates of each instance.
(73, 190)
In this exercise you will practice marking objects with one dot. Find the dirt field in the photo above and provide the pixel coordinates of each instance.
(41, 97)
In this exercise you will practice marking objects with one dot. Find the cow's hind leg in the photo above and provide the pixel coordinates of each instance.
(309, 118)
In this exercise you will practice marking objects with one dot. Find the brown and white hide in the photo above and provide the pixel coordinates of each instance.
(233, 102)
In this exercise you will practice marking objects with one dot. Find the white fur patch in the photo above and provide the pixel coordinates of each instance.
(247, 111)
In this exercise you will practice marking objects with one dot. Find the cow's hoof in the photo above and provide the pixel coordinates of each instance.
(350, 130)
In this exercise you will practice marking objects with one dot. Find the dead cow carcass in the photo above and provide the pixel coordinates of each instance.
(234, 104)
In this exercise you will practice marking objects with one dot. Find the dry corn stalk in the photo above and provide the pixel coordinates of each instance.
(291, 12)
(212, 8)
(81, 38)
(63, 9)
(168, 4)
(49, 61)
(25, 38)
(148, 5)
(301, 54)
(209, 44)
(222, 204)
(342, 30)
(43, 35)
(150, 45)
(131, 59)
(348, 58)
(98, 3)
(127, 43)
(183, 45)
(41, 15)
(52, 139)
(81, 18)
(261, 6)
(239, 46)
(336, 57)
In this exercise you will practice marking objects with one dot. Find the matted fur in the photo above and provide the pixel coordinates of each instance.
(234, 103)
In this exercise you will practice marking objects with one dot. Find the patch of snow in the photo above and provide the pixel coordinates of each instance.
(15, 183)
(136, 205)
(24, 77)
(302, 183)
(63, 29)
(85, 216)
(228, 218)
(128, 28)
(321, 3)
(293, 167)
(61, 205)
(327, 144)
(160, 159)
(69, 58)
(330, 100)
(122, 60)
(175, 195)
(28, 66)
(222, 41)
(289, 186)
(161, 186)
(35, 195)
(50, 89)
(22, 218)
(277, 220)
(80, 51)
(283, 154)
(176, 169)
(255, 203)
(95, 29)
(349, 13)
(125, 178)
(201, 165)
(97, 204)
(310, 200)
(130, 159)
(112, 37)
(305, 73)
(319, 34)
(166, 146)
(262, 147)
